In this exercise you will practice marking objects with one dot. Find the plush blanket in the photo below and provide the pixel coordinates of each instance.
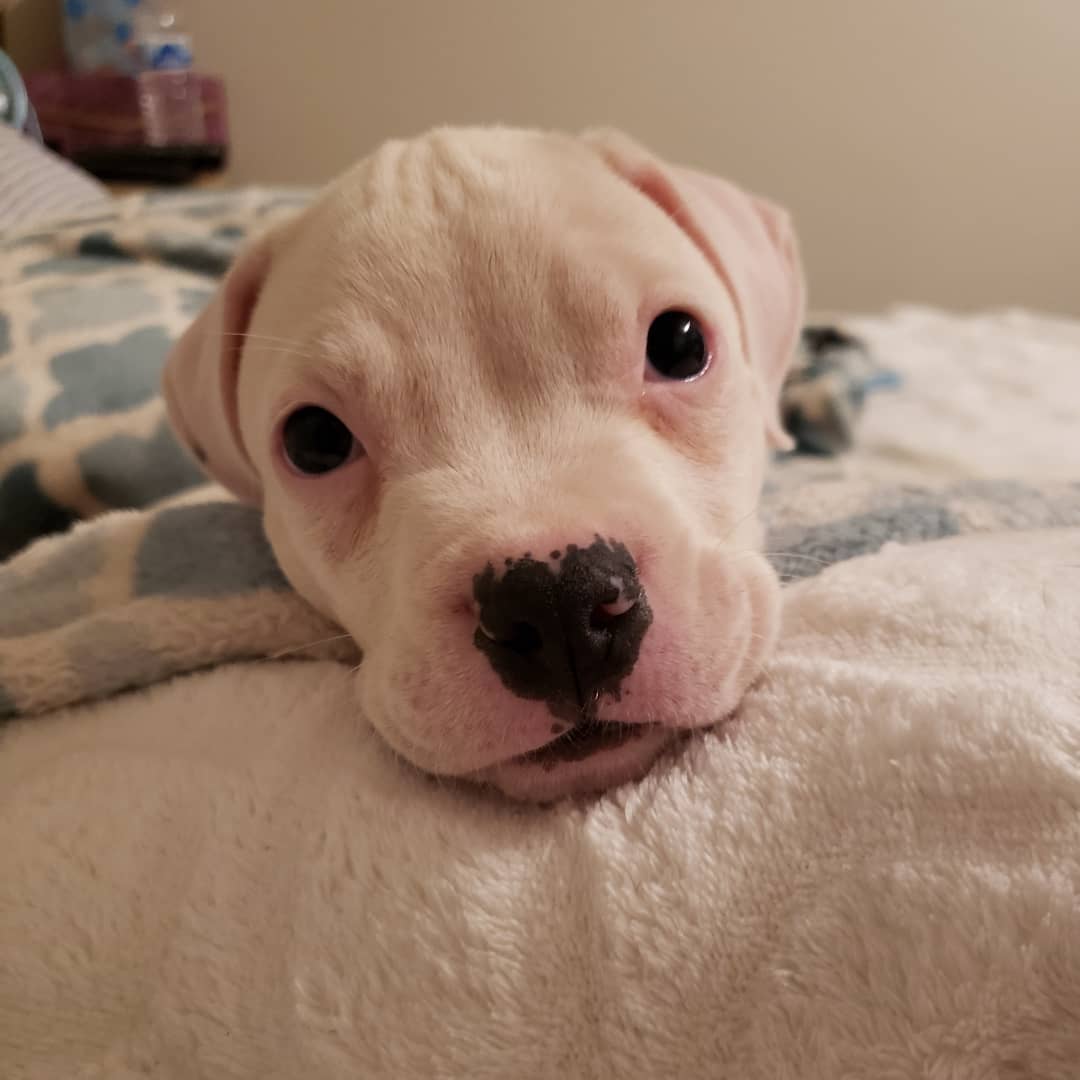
(131, 599)
(89, 308)
(872, 872)
(875, 872)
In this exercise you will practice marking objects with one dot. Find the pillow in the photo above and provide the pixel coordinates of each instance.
(36, 184)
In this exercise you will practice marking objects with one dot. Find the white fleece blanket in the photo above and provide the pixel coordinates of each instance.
(875, 873)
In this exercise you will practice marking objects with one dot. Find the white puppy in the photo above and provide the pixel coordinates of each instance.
(505, 398)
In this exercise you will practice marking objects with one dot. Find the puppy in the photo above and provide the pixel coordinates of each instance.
(506, 399)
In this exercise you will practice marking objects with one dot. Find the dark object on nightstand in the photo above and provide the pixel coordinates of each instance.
(160, 127)
(165, 165)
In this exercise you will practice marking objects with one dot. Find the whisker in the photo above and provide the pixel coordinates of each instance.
(796, 555)
(306, 645)
(750, 553)
(285, 350)
(746, 517)
(262, 337)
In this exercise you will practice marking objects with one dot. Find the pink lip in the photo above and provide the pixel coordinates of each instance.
(588, 763)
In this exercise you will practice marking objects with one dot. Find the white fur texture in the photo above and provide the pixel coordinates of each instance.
(474, 306)
(876, 875)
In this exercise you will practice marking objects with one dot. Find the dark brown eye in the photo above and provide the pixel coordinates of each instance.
(676, 346)
(316, 441)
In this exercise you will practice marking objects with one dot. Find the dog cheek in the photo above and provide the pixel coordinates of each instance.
(433, 696)
(760, 587)
(742, 595)
(712, 631)
(395, 701)
(298, 557)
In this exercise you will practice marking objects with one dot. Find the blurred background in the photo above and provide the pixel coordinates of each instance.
(929, 150)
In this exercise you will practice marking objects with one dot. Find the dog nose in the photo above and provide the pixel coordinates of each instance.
(564, 630)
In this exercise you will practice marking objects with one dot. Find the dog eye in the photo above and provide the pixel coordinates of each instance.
(676, 346)
(316, 441)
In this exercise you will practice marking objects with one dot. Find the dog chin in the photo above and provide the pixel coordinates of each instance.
(562, 768)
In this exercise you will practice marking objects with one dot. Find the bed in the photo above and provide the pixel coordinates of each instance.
(210, 865)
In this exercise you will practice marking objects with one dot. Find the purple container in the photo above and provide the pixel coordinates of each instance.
(81, 114)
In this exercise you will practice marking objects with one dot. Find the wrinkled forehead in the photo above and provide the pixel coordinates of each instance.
(491, 210)
(502, 265)
(486, 214)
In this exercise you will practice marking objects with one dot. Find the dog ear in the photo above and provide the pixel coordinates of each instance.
(749, 242)
(202, 372)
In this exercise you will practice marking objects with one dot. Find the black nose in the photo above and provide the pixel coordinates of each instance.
(566, 630)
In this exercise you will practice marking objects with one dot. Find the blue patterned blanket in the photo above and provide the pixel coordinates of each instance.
(163, 574)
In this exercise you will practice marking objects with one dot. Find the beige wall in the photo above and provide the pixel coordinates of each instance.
(930, 149)
(30, 31)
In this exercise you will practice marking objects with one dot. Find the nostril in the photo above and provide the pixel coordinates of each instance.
(605, 616)
(522, 639)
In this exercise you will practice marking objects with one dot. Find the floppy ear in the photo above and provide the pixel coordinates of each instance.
(749, 242)
(203, 369)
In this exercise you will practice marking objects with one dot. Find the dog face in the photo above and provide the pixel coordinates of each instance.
(505, 398)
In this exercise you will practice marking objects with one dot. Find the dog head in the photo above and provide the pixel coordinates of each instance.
(506, 399)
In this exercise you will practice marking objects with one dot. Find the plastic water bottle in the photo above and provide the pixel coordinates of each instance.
(125, 36)
(159, 39)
